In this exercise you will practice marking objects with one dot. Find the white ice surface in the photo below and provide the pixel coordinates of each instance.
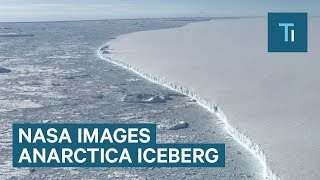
(274, 98)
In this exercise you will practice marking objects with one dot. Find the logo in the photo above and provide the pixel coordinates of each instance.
(287, 32)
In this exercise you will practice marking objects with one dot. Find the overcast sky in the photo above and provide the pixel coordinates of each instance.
(41, 10)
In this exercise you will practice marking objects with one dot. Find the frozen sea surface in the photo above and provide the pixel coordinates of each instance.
(55, 76)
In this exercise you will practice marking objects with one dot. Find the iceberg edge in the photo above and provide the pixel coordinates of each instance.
(240, 137)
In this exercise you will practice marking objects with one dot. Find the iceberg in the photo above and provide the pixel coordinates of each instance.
(268, 101)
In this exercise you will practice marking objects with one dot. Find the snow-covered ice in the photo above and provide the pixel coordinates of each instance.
(272, 98)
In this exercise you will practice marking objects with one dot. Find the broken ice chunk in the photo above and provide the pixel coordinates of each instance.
(180, 125)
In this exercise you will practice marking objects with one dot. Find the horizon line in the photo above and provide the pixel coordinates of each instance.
(173, 17)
